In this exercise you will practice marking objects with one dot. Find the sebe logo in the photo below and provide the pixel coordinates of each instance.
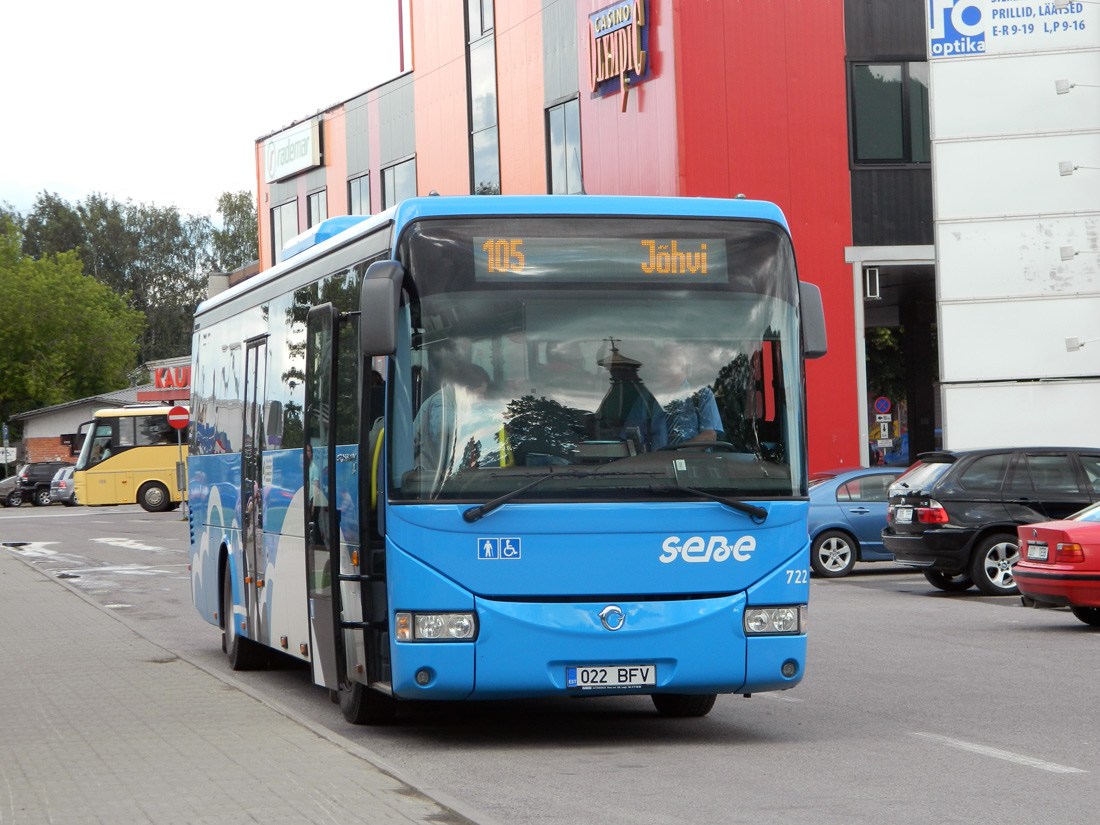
(698, 549)
(957, 27)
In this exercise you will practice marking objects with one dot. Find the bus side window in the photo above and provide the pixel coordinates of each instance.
(101, 443)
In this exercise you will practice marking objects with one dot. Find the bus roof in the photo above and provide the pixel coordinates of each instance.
(134, 409)
(337, 232)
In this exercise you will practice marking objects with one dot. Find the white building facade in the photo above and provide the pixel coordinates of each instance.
(1015, 129)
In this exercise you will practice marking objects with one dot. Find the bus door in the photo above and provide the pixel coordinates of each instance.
(252, 481)
(322, 519)
(100, 485)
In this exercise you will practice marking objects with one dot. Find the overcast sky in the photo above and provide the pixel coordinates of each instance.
(161, 102)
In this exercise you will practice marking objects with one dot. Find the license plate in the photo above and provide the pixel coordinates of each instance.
(1037, 552)
(604, 677)
(903, 515)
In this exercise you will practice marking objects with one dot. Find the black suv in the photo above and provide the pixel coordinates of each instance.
(34, 482)
(954, 514)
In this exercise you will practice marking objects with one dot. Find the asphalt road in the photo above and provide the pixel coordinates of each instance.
(918, 706)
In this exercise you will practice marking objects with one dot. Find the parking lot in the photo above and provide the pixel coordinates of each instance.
(918, 705)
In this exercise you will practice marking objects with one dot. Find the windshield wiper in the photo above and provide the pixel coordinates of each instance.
(758, 514)
(482, 510)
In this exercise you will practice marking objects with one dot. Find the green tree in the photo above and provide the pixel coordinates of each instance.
(64, 335)
(53, 226)
(154, 257)
(236, 243)
(9, 215)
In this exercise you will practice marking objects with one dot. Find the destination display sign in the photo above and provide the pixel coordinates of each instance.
(663, 260)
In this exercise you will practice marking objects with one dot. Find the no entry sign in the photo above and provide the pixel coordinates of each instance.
(178, 417)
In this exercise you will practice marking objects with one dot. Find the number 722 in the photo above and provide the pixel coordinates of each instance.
(798, 576)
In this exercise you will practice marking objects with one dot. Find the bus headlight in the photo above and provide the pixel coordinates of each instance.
(435, 627)
(782, 620)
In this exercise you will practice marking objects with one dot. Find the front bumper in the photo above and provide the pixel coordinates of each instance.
(523, 649)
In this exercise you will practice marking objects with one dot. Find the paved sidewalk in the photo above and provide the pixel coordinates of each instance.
(100, 725)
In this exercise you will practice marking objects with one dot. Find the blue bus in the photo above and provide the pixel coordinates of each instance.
(494, 447)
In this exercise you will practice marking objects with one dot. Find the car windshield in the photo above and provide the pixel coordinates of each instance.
(920, 476)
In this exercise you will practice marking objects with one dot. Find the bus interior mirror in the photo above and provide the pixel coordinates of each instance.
(813, 321)
(379, 300)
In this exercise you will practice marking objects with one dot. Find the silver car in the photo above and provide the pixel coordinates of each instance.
(62, 488)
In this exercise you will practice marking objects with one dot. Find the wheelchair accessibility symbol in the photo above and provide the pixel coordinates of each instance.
(498, 548)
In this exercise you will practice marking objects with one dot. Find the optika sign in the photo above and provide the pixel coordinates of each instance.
(292, 151)
(617, 41)
(956, 27)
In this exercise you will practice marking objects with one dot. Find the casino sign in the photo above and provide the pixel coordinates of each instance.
(618, 42)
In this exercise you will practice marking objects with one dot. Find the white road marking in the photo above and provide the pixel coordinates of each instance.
(997, 753)
(129, 544)
(128, 569)
(778, 696)
(31, 548)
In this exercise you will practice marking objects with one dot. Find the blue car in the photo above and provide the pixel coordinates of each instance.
(847, 515)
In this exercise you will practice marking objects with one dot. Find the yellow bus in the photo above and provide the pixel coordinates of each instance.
(129, 455)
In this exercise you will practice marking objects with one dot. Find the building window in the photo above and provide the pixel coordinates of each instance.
(318, 208)
(284, 226)
(563, 141)
(359, 195)
(481, 18)
(890, 113)
(481, 61)
(398, 183)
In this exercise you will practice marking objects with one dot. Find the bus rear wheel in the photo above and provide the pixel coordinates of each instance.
(153, 497)
(683, 705)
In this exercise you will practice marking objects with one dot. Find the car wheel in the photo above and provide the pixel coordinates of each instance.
(153, 497)
(1089, 615)
(991, 565)
(833, 554)
(948, 582)
(15, 499)
(683, 705)
(41, 498)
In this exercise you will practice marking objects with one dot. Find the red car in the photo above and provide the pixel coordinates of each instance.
(1060, 564)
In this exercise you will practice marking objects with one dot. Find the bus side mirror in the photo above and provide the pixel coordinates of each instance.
(814, 343)
(379, 301)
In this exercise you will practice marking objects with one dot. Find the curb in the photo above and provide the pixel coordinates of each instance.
(466, 814)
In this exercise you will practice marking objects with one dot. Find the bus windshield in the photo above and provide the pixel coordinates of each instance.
(623, 364)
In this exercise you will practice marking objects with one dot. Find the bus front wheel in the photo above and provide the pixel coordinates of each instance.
(153, 497)
(363, 706)
(683, 705)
